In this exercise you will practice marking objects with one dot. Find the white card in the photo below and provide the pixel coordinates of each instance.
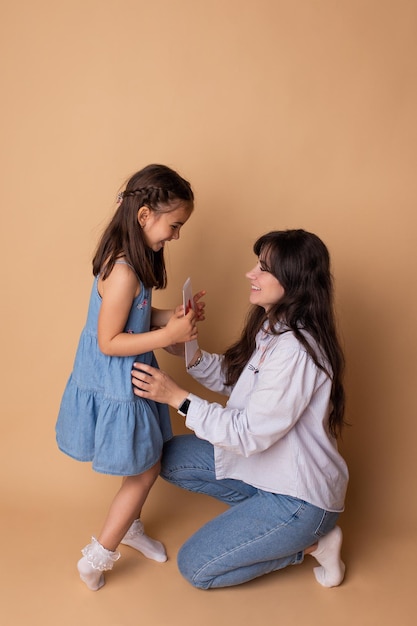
(191, 347)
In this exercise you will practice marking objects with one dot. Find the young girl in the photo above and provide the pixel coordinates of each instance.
(100, 419)
(271, 452)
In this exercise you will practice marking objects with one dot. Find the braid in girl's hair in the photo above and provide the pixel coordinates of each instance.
(149, 195)
(162, 190)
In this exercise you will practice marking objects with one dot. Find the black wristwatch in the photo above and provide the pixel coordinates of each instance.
(183, 407)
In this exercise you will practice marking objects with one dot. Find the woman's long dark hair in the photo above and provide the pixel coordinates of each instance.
(160, 189)
(301, 263)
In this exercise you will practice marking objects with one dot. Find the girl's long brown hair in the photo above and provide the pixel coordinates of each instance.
(301, 263)
(160, 189)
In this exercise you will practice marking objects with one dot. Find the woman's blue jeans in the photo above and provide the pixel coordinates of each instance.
(261, 532)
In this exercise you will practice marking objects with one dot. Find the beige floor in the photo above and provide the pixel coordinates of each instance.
(44, 528)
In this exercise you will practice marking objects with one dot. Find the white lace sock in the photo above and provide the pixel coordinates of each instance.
(95, 561)
(332, 569)
(136, 538)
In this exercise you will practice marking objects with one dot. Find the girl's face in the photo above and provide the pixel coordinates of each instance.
(161, 227)
(266, 290)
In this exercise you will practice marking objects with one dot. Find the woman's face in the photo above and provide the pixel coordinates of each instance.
(266, 290)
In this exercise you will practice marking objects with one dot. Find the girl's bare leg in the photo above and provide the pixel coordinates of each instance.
(122, 518)
(126, 507)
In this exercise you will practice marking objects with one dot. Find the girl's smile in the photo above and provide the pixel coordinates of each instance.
(158, 228)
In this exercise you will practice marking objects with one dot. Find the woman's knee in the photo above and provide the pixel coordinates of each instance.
(189, 567)
(182, 452)
(172, 453)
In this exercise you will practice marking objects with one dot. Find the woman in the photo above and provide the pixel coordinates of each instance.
(271, 452)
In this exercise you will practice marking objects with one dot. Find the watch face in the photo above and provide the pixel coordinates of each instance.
(183, 408)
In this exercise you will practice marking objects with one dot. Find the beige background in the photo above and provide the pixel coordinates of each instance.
(282, 114)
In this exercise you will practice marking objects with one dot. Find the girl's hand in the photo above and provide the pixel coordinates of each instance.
(150, 382)
(180, 327)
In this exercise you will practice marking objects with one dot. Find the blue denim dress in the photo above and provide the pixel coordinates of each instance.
(100, 418)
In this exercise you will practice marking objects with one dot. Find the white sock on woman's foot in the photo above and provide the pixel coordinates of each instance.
(136, 538)
(332, 569)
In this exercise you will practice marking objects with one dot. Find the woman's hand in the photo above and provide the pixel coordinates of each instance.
(177, 349)
(154, 384)
(199, 306)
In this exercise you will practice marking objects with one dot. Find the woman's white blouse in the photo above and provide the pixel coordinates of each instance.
(273, 431)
